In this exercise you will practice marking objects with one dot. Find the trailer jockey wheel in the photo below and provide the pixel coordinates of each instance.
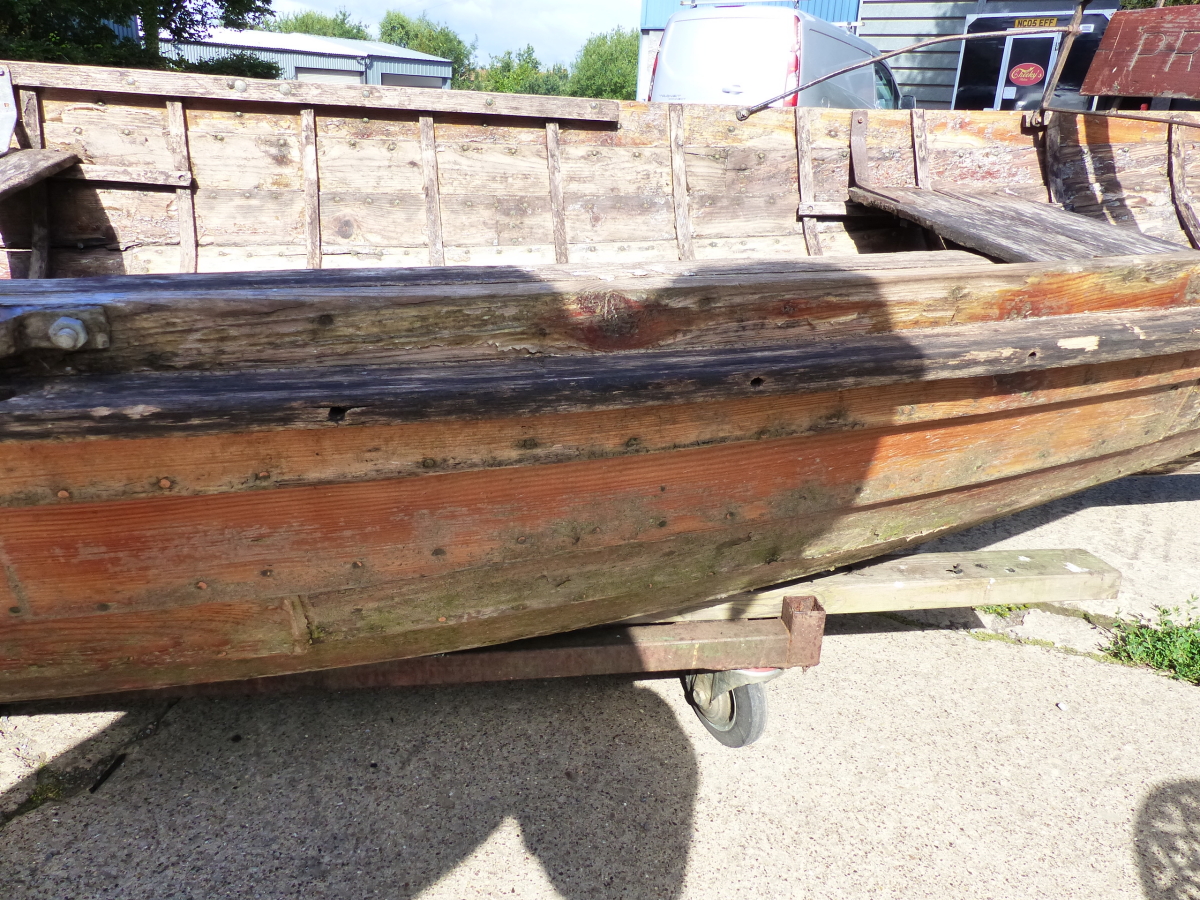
(732, 705)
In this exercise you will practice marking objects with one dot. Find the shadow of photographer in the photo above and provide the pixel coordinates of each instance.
(378, 792)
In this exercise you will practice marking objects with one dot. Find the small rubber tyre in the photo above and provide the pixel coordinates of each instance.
(737, 718)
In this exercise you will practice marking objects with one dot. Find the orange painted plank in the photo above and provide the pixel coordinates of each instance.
(158, 552)
(107, 469)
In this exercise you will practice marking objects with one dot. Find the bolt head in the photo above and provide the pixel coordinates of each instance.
(67, 333)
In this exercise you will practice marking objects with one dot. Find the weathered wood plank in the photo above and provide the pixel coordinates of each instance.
(298, 541)
(557, 206)
(185, 208)
(199, 402)
(1009, 228)
(109, 650)
(804, 180)
(1147, 53)
(860, 165)
(30, 106)
(1180, 195)
(433, 203)
(34, 472)
(312, 187)
(308, 93)
(932, 581)
(126, 175)
(920, 146)
(679, 185)
(19, 169)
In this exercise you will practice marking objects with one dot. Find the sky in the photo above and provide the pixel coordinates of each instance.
(556, 28)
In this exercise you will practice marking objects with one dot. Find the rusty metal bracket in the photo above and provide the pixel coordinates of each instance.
(67, 329)
(768, 645)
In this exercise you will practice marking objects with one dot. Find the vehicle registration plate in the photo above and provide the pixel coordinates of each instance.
(1048, 22)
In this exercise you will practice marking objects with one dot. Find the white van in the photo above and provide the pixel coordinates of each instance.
(742, 55)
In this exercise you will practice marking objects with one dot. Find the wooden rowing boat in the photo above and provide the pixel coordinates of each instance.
(564, 362)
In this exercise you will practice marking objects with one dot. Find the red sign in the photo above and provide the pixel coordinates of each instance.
(1026, 74)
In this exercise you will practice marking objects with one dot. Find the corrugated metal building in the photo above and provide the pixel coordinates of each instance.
(929, 74)
(656, 12)
(310, 57)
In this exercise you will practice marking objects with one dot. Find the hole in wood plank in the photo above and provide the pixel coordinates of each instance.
(338, 413)
(756, 382)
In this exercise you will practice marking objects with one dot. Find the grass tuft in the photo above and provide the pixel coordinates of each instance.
(1005, 611)
(1166, 645)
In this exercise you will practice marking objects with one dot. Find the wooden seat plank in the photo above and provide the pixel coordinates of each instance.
(1010, 228)
(21, 168)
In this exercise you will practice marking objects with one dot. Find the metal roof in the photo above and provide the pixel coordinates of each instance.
(656, 12)
(313, 43)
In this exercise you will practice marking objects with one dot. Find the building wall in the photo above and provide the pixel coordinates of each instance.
(338, 68)
(926, 74)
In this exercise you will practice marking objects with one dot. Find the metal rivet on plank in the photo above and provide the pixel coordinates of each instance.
(67, 333)
(63, 495)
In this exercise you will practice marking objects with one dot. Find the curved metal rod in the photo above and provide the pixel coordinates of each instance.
(747, 111)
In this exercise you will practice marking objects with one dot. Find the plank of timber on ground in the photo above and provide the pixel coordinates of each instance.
(21, 168)
(1008, 228)
(126, 175)
(1147, 53)
(932, 581)
(99, 79)
(679, 185)
(208, 402)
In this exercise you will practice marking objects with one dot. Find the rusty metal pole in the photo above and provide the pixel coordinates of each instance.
(1039, 118)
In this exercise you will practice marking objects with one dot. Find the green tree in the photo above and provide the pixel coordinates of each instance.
(70, 31)
(606, 66)
(190, 20)
(338, 25)
(521, 73)
(426, 36)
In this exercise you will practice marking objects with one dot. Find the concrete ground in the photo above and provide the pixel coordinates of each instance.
(915, 761)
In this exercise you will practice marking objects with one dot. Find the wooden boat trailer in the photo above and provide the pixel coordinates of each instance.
(723, 653)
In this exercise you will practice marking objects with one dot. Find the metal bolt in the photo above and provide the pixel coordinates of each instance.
(488, 102)
(68, 334)
(285, 88)
(366, 93)
(201, 585)
(164, 483)
(63, 495)
(239, 85)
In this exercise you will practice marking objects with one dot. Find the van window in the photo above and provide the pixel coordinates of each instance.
(886, 93)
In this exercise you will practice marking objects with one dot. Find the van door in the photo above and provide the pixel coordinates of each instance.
(1027, 61)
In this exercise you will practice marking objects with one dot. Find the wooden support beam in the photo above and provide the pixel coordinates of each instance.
(920, 144)
(1180, 195)
(433, 199)
(804, 181)
(860, 171)
(679, 188)
(102, 80)
(185, 206)
(1055, 185)
(932, 581)
(126, 175)
(20, 169)
(312, 187)
(558, 211)
(39, 199)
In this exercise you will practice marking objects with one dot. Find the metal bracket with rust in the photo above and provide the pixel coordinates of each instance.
(67, 330)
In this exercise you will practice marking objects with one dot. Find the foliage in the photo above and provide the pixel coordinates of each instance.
(241, 63)
(189, 20)
(521, 73)
(310, 22)
(69, 31)
(426, 36)
(606, 66)
(1003, 610)
(1167, 646)
(77, 31)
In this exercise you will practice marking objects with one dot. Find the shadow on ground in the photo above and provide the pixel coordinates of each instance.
(1167, 842)
(376, 793)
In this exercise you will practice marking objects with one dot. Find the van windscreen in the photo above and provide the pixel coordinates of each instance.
(725, 60)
